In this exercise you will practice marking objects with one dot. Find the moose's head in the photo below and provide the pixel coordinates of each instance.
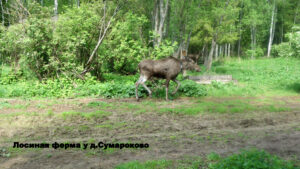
(189, 64)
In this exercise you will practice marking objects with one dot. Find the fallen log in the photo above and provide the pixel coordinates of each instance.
(208, 79)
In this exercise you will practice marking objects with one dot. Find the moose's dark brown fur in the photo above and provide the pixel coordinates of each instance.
(167, 68)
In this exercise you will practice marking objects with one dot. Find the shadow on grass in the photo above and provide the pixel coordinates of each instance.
(295, 87)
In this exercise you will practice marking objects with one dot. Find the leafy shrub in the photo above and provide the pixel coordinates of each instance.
(258, 52)
(291, 48)
(125, 46)
(251, 159)
(191, 88)
(282, 50)
(165, 49)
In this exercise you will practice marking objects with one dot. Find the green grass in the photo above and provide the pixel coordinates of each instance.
(246, 159)
(226, 106)
(259, 77)
(86, 115)
(6, 104)
(111, 125)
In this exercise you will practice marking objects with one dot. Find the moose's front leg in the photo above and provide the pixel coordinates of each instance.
(167, 89)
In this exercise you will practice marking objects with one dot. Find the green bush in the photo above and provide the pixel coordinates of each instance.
(191, 88)
(282, 50)
(290, 48)
(258, 52)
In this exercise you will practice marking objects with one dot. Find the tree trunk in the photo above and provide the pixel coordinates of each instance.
(253, 41)
(160, 20)
(225, 51)
(156, 21)
(208, 60)
(228, 50)
(239, 46)
(296, 13)
(188, 42)
(272, 29)
(2, 14)
(102, 35)
(78, 3)
(240, 33)
(55, 7)
(216, 52)
(281, 37)
(168, 20)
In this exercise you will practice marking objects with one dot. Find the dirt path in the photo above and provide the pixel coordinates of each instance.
(170, 135)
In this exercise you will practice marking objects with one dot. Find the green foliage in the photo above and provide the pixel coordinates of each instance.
(258, 52)
(282, 50)
(291, 48)
(125, 47)
(294, 39)
(11, 46)
(191, 88)
(251, 159)
(75, 37)
(37, 49)
(165, 49)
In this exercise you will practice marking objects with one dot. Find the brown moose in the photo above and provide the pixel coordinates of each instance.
(167, 68)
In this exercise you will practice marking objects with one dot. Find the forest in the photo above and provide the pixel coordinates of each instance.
(68, 70)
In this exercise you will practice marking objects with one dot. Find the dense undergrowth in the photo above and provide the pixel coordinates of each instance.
(279, 76)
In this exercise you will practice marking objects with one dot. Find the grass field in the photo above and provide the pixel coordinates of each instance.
(251, 124)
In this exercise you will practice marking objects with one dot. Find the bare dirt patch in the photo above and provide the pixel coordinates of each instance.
(171, 136)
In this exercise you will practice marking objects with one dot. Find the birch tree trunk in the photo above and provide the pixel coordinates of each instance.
(78, 3)
(228, 50)
(102, 33)
(161, 11)
(55, 7)
(225, 51)
(272, 29)
(253, 41)
(240, 32)
(156, 20)
(216, 52)
(208, 60)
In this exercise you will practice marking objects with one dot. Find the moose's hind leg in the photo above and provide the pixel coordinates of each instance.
(142, 81)
(178, 85)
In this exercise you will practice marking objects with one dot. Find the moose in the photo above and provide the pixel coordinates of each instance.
(167, 68)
